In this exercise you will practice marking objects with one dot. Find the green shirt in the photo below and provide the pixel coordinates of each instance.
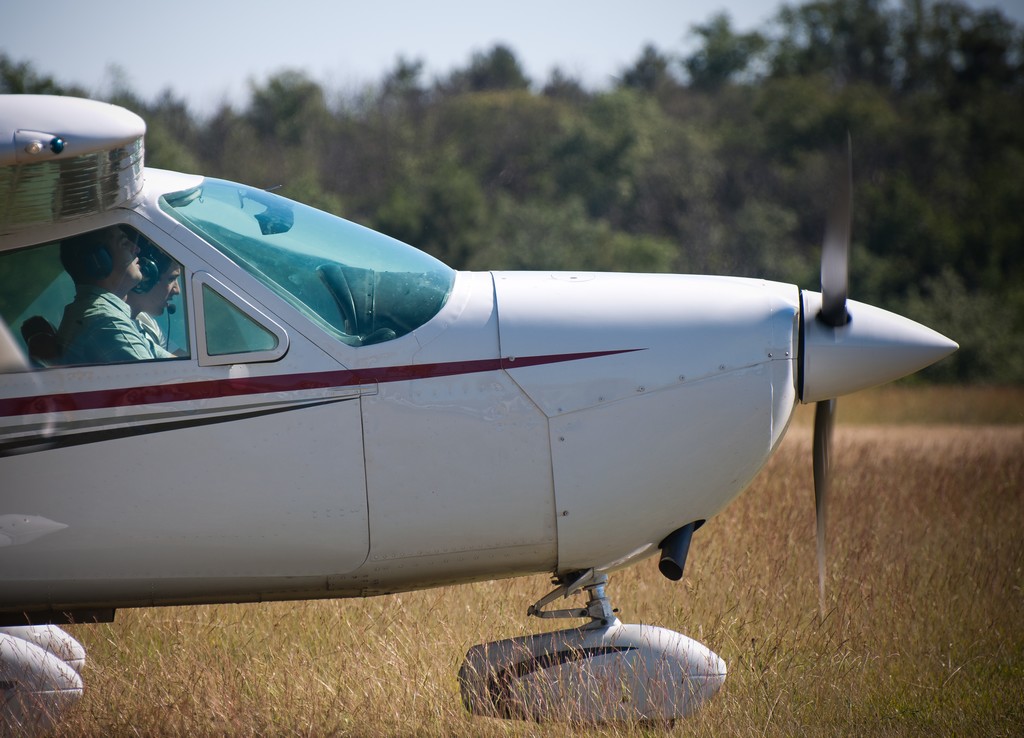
(97, 328)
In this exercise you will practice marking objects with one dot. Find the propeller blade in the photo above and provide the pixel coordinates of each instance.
(824, 419)
(835, 267)
(835, 252)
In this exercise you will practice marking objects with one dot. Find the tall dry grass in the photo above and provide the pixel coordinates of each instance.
(924, 633)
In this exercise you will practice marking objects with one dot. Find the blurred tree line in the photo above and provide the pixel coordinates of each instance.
(717, 159)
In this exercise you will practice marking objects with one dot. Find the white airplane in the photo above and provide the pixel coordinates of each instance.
(327, 413)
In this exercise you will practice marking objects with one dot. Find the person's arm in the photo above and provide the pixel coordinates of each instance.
(112, 340)
(159, 352)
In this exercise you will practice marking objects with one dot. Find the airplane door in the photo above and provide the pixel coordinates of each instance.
(224, 473)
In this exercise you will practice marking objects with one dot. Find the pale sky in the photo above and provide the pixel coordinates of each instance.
(210, 50)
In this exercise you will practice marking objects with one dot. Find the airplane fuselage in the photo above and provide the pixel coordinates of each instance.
(532, 425)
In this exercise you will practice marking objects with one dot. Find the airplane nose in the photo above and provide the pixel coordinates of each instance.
(873, 348)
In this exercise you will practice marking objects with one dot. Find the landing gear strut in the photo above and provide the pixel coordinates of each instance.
(598, 609)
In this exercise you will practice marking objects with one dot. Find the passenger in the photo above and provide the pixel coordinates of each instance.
(97, 328)
(152, 296)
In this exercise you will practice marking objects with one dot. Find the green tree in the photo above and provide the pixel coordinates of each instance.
(723, 54)
(651, 72)
(172, 135)
(562, 87)
(497, 69)
(504, 138)
(21, 78)
(538, 235)
(850, 40)
(286, 107)
(440, 209)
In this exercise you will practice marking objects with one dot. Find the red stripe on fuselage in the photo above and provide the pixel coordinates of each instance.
(218, 388)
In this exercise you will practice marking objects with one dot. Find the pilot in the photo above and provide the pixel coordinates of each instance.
(152, 296)
(97, 327)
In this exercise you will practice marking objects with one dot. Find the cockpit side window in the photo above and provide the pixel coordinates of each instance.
(230, 329)
(104, 297)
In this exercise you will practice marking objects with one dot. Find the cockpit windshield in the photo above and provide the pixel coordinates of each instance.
(360, 285)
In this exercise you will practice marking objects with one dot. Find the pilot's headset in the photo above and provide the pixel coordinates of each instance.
(152, 263)
(97, 262)
(85, 257)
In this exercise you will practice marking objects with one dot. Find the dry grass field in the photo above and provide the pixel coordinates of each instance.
(924, 634)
